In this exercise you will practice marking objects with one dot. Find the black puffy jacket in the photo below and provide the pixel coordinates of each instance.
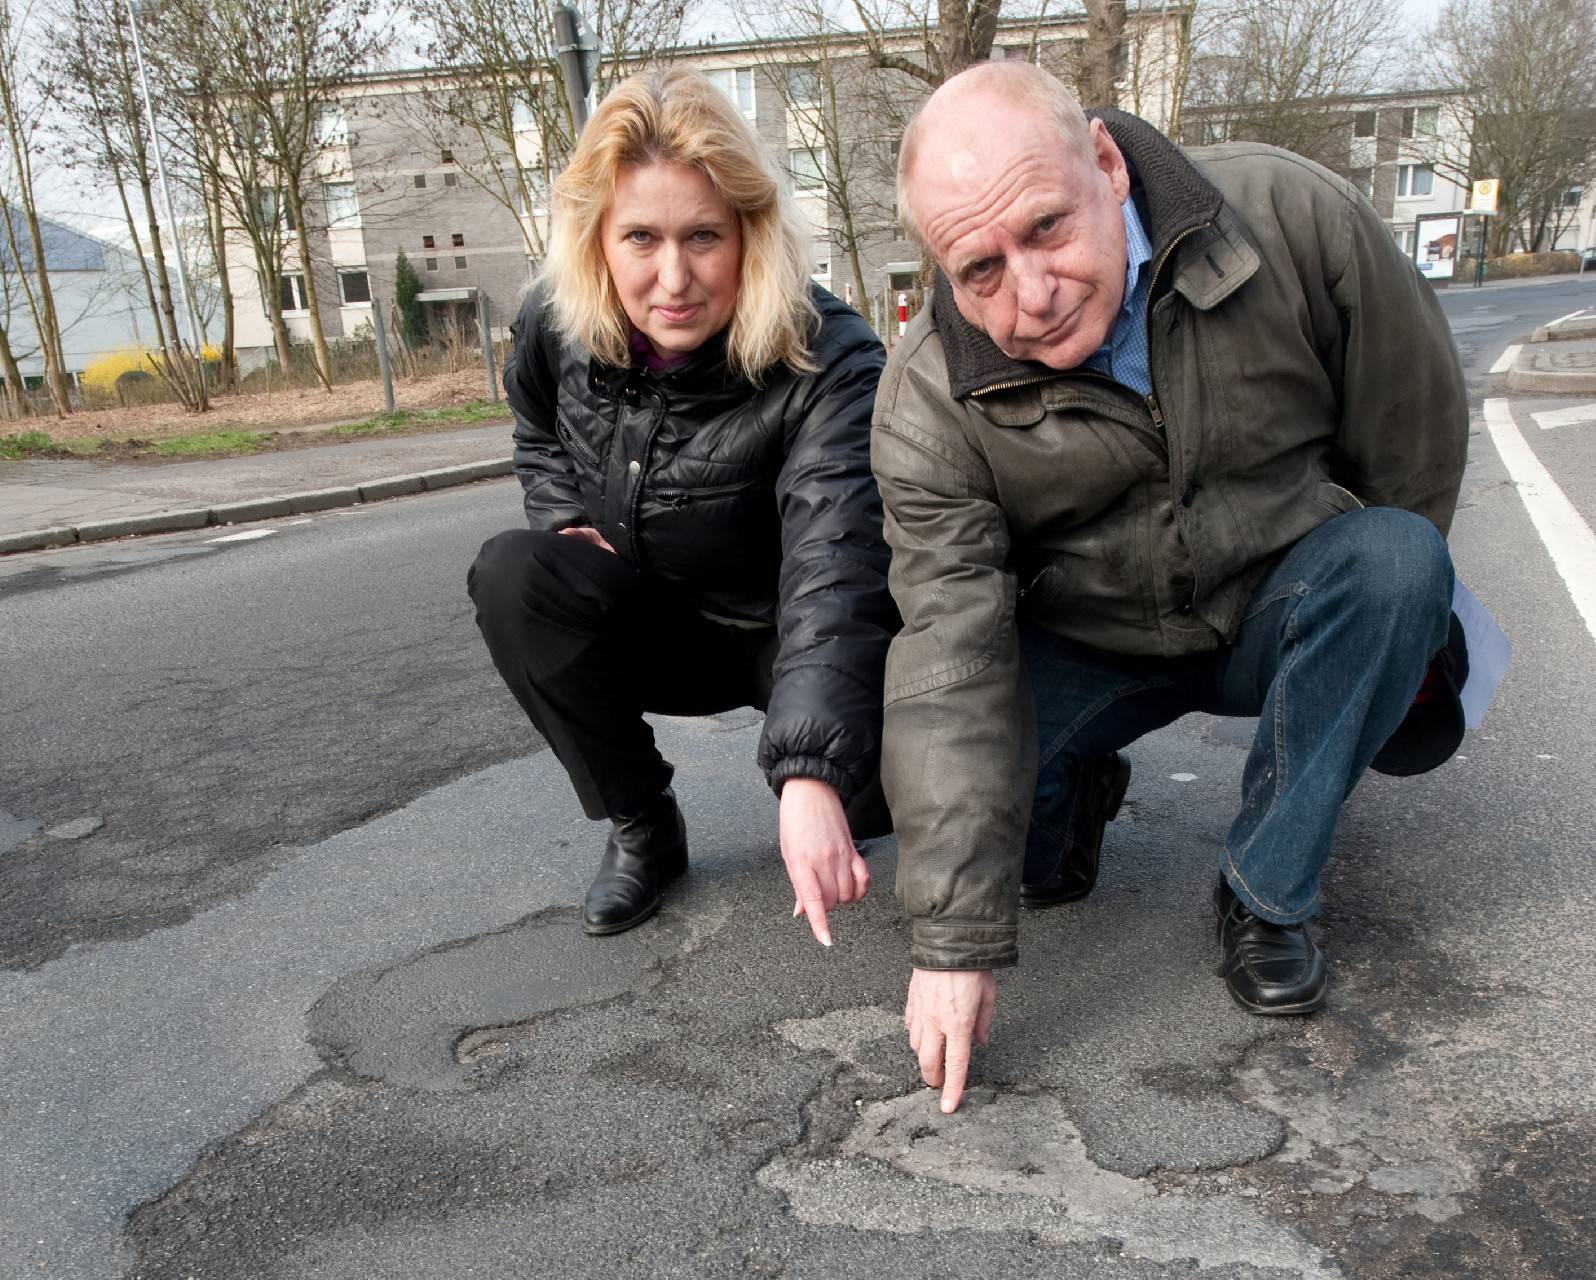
(756, 501)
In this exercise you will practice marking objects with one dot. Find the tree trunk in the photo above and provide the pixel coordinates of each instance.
(965, 34)
(184, 377)
(216, 229)
(49, 325)
(13, 376)
(302, 238)
(1096, 81)
(144, 267)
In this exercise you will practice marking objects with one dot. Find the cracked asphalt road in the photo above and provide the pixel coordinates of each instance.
(312, 1002)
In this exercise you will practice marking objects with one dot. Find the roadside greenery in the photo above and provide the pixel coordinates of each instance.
(225, 442)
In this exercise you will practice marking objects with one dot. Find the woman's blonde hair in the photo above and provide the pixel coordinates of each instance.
(678, 117)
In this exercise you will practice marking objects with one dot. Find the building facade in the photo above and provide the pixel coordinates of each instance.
(398, 174)
(1409, 153)
(100, 300)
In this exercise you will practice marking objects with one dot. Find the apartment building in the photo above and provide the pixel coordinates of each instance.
(1408, 151)
(395, 175)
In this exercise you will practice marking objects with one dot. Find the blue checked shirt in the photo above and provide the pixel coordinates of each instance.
(1124, 356)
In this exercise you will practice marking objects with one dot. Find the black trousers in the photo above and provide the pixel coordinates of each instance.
(587, 644)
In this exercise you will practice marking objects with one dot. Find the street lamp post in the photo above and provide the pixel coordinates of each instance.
(196, 334)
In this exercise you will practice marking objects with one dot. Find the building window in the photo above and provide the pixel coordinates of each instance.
(343, 206)
(803, 85)
(1572, 197)
(354, 287)
(737, 83)
(1210, 132)
(429, 242)
(1404, 239)
(459, 264)
(448, 156)
(822, 260)
(1414, 180)
(536, 182)
(332, 126)
(457, 240)
(270, 208)
(432, 264)
(1363, 180)
(1363, 124)
(1421, 120)
(1018, 53)
(451, 179)
(521, 117)
(291, 293)
(421, 181)
(804, 164)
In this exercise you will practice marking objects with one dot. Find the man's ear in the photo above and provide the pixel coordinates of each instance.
(1109, 160)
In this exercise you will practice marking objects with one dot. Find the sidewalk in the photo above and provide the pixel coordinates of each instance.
(48, 503)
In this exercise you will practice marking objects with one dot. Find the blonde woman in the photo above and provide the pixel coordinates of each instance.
(692, 422)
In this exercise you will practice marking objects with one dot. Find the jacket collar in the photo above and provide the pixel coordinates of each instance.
(1173, 198)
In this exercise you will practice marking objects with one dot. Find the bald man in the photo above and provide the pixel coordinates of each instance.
(1179, 431)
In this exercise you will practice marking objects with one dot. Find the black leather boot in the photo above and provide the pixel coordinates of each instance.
(1102, 785)
(1269, 968)
(645, 852)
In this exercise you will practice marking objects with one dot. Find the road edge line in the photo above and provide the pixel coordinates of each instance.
(1566, 537)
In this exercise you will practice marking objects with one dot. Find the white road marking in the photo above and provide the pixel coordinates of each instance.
(244, 535)
(1504, 362)
(1568, 539)
(306, 520)
(1183, 777)
(1565, 417)
(1570, 316)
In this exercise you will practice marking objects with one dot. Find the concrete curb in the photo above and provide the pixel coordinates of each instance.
(286, 504)
(1552, 382)
(1568, 331)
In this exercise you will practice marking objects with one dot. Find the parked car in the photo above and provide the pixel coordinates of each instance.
(1587, 259)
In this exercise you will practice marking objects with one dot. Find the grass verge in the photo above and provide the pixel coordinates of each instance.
(25, 444)
(465, 414)
(223, 443)
(210, 442)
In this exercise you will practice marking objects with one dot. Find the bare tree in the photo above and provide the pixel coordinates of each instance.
(505, 98)
(271, 69)
(1523, 108)
(22, 99)
(105, 131)
(842, 125)
(1278, 71)
(960, 36)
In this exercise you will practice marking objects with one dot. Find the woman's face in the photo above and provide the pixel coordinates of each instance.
(674, 248)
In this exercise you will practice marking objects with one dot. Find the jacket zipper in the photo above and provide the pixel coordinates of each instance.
(1158, 267)
(678, 498)
(661, 408)
(572, 441)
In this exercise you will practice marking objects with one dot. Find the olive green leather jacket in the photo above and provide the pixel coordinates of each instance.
(1301, 367)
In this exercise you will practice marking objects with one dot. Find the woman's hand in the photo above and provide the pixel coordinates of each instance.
(588, 534)
(817, 847)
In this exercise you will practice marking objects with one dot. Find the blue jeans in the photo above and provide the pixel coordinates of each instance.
(1331, 650)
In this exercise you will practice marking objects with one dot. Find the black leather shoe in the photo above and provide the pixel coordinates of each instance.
(1269, 968)
(644, 853)
(1103, 780)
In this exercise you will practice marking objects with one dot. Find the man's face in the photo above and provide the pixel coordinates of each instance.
(1028, 230)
